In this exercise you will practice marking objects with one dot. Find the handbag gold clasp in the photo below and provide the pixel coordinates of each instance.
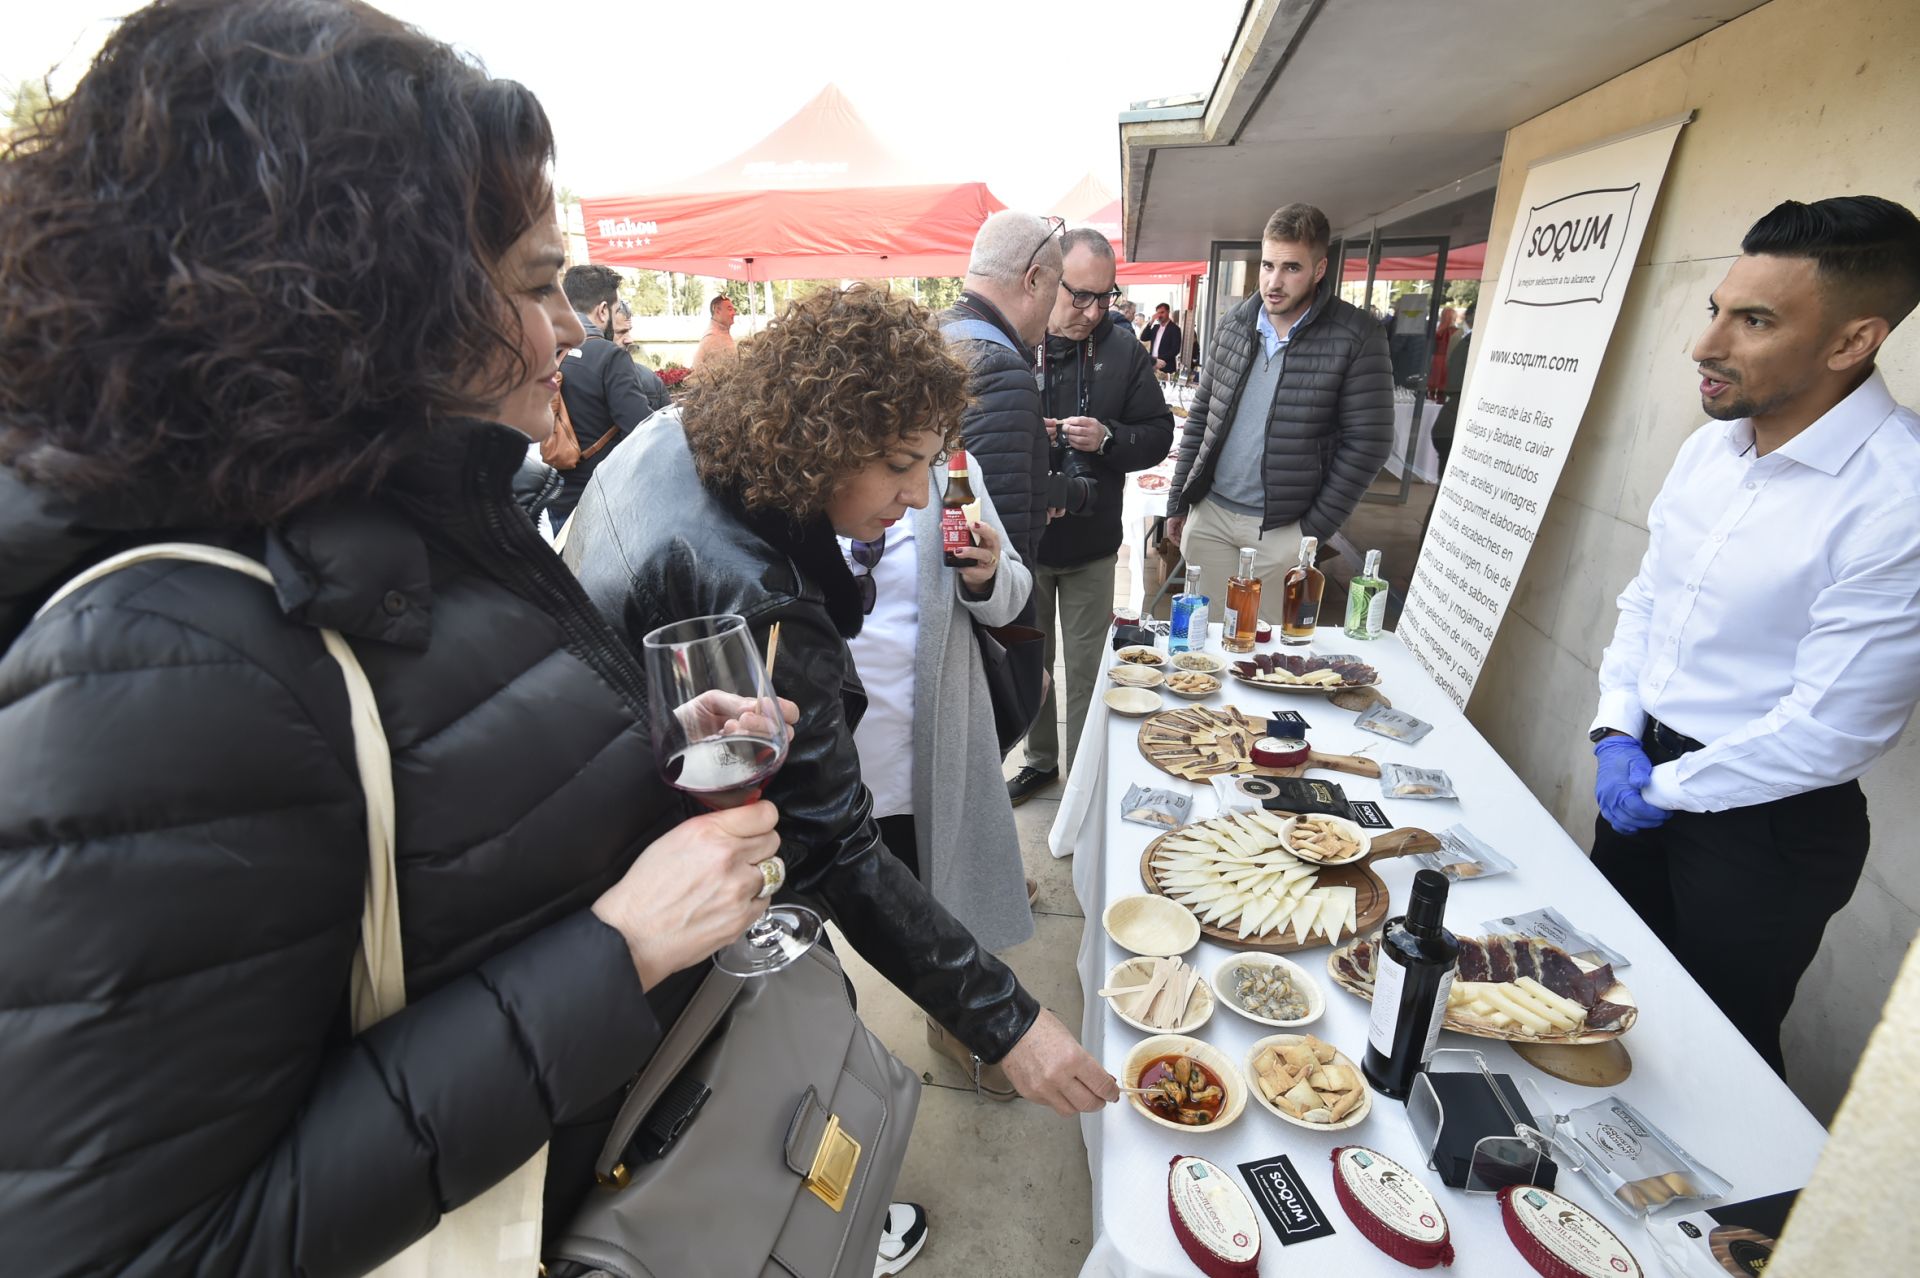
(833, 1165)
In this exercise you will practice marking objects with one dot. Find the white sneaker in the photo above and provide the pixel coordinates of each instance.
(902, 1239)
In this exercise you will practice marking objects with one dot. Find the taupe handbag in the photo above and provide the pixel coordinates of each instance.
(785, 1124)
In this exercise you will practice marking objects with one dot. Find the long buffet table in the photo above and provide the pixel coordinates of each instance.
(1692, 1074)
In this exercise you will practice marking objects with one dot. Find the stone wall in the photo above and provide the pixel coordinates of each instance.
(1798, 99)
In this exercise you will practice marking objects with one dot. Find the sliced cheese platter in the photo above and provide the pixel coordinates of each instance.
(1517, 988)
(1198, 743)
(1249, 892)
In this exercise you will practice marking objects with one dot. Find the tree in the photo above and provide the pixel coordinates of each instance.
(26, 103)
(645, 293)
(937, 293)
(690, 296)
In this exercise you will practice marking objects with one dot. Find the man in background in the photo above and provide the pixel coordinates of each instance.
(600, 383)
(719, 338)
(1123, 314)
(1100, 398)
(622, 336)
(1162, 340)
(1768, 650)
(1291, 421)
(1012, 276)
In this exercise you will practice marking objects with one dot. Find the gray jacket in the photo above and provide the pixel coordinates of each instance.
(962, 818)
(1331, 425)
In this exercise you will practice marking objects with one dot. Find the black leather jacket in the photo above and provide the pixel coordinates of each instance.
(652, 545)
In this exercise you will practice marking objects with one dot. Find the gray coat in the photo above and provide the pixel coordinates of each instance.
(969, 848)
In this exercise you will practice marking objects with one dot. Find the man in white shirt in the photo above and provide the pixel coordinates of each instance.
(1769, 649)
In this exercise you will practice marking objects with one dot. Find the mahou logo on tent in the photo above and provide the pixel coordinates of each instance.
(627, 232)
(1568, 248)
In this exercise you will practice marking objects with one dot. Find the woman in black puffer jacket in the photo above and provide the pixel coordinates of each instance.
(281, 276)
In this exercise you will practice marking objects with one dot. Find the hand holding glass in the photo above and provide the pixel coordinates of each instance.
(720, 737)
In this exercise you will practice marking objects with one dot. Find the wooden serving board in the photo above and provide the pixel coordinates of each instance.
(1321, 688)
(1617, 993)
(1165, 743)
(1370, 900)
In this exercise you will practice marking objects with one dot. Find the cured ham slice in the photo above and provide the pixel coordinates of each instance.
(1473, 961)
(1500, 964)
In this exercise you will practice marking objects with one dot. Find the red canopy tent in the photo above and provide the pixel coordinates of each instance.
(1091, 204)
(819, 197)
(1468, 262)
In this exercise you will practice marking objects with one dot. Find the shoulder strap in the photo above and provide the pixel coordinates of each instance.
(977, 330)
(379, 974)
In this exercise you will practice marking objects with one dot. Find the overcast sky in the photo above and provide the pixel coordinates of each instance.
(1021, 94)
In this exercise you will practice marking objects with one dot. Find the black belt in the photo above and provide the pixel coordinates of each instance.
(1664, 745)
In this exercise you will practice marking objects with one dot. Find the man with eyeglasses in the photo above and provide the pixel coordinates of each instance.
(1291, 421)
(1001, 317)
(1106, 410)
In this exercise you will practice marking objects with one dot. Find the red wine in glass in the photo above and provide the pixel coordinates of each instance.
(719, 737)
(724, 772)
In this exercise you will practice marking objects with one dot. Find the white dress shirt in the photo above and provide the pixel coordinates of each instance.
(1776, 615)
(883, 658)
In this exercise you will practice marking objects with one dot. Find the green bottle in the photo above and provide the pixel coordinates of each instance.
(1367, 601)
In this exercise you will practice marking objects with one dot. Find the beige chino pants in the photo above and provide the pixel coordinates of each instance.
(1212, 539)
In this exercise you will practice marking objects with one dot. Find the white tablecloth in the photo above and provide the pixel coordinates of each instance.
(1692, 1072)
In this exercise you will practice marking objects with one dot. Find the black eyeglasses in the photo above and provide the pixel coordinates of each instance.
(866, 557)
(1083, 298)
(1056, 225)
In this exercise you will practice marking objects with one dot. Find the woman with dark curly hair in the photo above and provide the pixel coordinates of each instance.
(827, 423)
(281, 277)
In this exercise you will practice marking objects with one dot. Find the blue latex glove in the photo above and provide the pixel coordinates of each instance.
(1623, 772)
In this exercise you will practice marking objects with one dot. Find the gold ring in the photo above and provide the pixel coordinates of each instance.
(773, 873)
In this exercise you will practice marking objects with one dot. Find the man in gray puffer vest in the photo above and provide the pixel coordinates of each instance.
(1292, 420)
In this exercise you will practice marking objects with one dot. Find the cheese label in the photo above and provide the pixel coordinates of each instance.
(1391, 1194)
(1570, 1235)
(1214, 1209)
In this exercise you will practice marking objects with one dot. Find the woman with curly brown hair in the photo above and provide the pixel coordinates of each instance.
(280, 278)
(827, 425)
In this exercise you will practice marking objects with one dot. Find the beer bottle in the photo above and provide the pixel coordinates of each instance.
(956, 534)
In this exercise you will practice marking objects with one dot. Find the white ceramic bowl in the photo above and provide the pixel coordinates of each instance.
(1135, 703)
(1199, 662)
(1125, 676)
(1231, 1080)
(1223, 983)
(1133, 972)
(1143, 656)
(1341, 824)
(1151, 925)
(1358, 1116)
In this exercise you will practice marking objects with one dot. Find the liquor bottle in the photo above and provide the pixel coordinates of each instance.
(955, 534)
(1367, 601)
(1416, 965)
(1243, 606)
(1300, 596)
(1188, 630)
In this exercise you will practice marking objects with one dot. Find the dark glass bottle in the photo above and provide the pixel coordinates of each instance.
(1417, 961)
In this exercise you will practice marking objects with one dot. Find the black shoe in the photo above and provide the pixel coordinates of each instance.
(1028, 782)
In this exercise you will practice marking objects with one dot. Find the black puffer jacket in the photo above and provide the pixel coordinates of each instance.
(1118, 388)
(1005, 436)
(652, 545)
(183, 854)
(1331, 426)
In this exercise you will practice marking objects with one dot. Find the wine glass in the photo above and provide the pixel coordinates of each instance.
(719, 737)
